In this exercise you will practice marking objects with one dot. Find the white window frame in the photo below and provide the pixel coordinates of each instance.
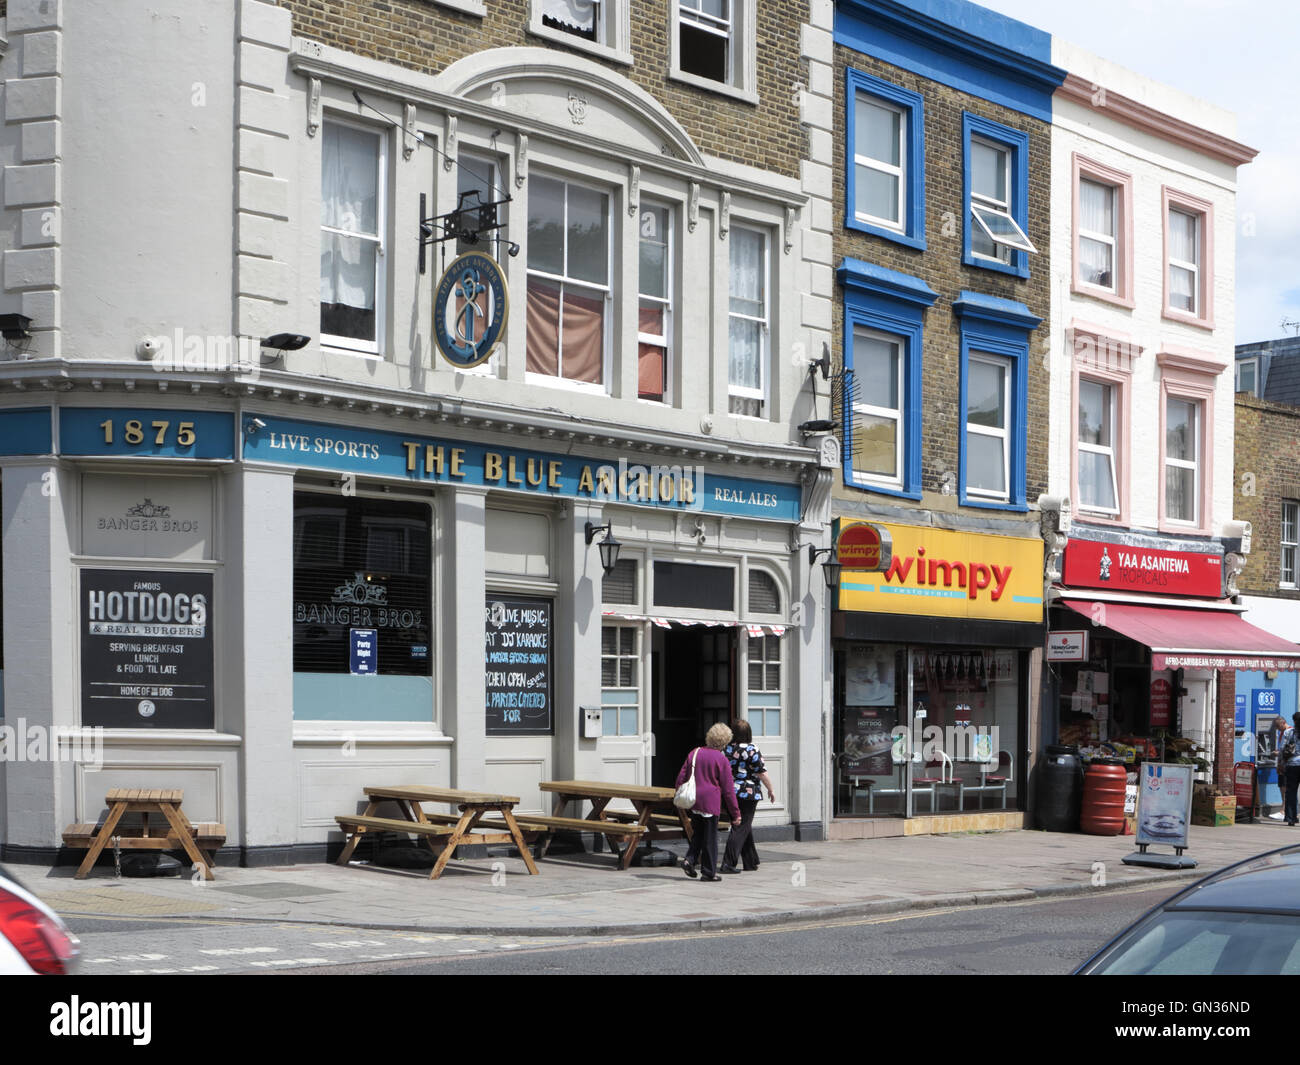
(765, 329)
(998, 208)
(865, 388)
(1194, 464)
(741, 49)
(1288, 544)
(613, 30)
(1112, 402)
(559, 380)
(860, 159)
(763, 663)
(1198, 220)
(1111, 239)
(666, 341)
(351, 345)
(475, 161)
(1253, 366)
(1008, 370)
(617, 708)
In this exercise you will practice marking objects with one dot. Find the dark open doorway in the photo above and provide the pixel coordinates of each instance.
(694, 687)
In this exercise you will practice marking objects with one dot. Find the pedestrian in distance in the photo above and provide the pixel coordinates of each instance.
(750, 777)
(1288, 768)
(714, 791)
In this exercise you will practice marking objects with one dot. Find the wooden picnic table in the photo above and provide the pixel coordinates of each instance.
(442, 833)
(195, 840)
(656, 816)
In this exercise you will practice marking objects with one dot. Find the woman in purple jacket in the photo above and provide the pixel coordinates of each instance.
(714, 788)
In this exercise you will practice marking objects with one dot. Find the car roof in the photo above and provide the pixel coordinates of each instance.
(1266, 883)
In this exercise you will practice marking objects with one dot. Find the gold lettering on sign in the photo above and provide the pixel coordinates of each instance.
(553, 477)
(457, 457)
(491, 466)
(585, 484)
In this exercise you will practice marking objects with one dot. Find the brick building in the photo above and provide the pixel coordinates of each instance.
(249, 387)
(941, 205)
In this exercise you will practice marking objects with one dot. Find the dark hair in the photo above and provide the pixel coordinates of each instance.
(745, 734)
(1295, 719)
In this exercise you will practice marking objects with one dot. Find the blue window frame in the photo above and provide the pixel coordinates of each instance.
(994, 404)
(885, 160)
(993, 145)
(883, 323)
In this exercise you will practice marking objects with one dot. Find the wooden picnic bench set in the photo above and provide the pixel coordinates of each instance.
(486, 818)
(482, 819)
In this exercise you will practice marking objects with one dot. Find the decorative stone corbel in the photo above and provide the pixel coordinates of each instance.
(693, 207)
(634, 191)
(791, 214)
(521, 161)
(724, 217)
(449, 144)
(408, 131)
(1233, 564)
(313, 107)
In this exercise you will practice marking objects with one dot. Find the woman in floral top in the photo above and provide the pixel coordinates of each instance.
(750, 778)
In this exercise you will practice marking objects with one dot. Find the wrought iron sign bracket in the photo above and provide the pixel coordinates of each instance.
(470, 222)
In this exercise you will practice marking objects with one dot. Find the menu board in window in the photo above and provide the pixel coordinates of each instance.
(517, 674)
(146, 649)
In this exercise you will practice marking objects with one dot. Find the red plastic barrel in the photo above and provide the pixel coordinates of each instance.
(1103, 798)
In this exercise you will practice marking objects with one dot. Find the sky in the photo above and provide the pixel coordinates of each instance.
(1244, 57)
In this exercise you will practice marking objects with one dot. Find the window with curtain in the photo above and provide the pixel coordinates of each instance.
(1098, 233)
(1096, 453)
(880, 162)
(706, 38)
(352, 225)
(878, 426)
(1290, 540)
(582, 18)
(747, 320)
(654, 307)
(988, 409)
(1182, 461)
(568, 280)
(1184, 237)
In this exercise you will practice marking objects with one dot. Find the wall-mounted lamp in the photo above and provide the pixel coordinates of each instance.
(15, 327)
(286, 341)
(830, 568)
(609, 547)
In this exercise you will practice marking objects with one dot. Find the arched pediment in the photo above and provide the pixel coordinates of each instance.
(572, 94)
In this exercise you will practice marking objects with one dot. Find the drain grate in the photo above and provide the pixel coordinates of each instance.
(274, 890)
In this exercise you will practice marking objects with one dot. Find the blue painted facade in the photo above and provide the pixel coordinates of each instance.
(26, 431)
(1017, 142)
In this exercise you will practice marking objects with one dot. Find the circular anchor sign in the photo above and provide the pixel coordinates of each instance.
(470, 308)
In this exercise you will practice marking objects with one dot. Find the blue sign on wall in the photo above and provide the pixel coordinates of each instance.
(363, 652)
(1239, 719)
(1265, 700)
(611, 479)
(153, 431)
(26, 431)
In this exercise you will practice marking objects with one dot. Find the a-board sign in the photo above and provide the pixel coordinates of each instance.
(518, 636)
(1164, 803)
(146, 649)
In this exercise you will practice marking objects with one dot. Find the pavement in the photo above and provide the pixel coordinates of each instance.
(585, 894)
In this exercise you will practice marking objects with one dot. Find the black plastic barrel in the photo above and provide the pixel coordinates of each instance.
(1060, 789)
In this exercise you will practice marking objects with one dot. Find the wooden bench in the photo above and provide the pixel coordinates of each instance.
(172, 830)
(209, 835)
(667, 820)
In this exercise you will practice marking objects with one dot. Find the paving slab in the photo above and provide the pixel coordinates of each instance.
(582, 895)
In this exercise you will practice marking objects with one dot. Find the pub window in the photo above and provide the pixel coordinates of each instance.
(764, 598)
(364, 564)
(619, 586)
(702, 587)
(765, 685)
(619, 692)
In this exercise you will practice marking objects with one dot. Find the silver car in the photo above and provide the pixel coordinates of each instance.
(33, 938)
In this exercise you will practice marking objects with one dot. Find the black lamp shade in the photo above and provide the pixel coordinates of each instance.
(831, 574)
(609, 548)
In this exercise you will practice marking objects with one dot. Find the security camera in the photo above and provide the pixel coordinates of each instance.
(257, 423)
(148, 348)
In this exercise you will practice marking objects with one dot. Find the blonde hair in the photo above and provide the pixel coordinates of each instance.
(718, 736)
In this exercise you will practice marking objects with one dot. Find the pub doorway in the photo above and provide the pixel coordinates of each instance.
(693, 671)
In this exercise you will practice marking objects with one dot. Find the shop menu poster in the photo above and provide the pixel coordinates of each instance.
(867, 742)
(869, 677)
(1164, 804)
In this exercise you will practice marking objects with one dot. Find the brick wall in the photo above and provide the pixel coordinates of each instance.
(1267, 471)
(1225, 731)
(423, 36)
(941, 267)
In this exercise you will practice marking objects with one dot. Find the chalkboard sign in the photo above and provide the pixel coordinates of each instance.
(146, 649)
(518, 666)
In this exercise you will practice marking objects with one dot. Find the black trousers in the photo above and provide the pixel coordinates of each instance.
(704, 844)
(1290, 782)
(740, 842)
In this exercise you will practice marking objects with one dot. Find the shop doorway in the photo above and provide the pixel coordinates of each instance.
(694, 671)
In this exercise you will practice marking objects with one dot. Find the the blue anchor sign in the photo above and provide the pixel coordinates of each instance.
(467, 328)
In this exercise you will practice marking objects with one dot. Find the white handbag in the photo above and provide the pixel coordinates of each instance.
(685, 797)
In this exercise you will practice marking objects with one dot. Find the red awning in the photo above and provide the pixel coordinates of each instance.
(1180, 638)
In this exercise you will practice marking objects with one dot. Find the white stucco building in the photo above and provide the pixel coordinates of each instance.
(195, 523)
